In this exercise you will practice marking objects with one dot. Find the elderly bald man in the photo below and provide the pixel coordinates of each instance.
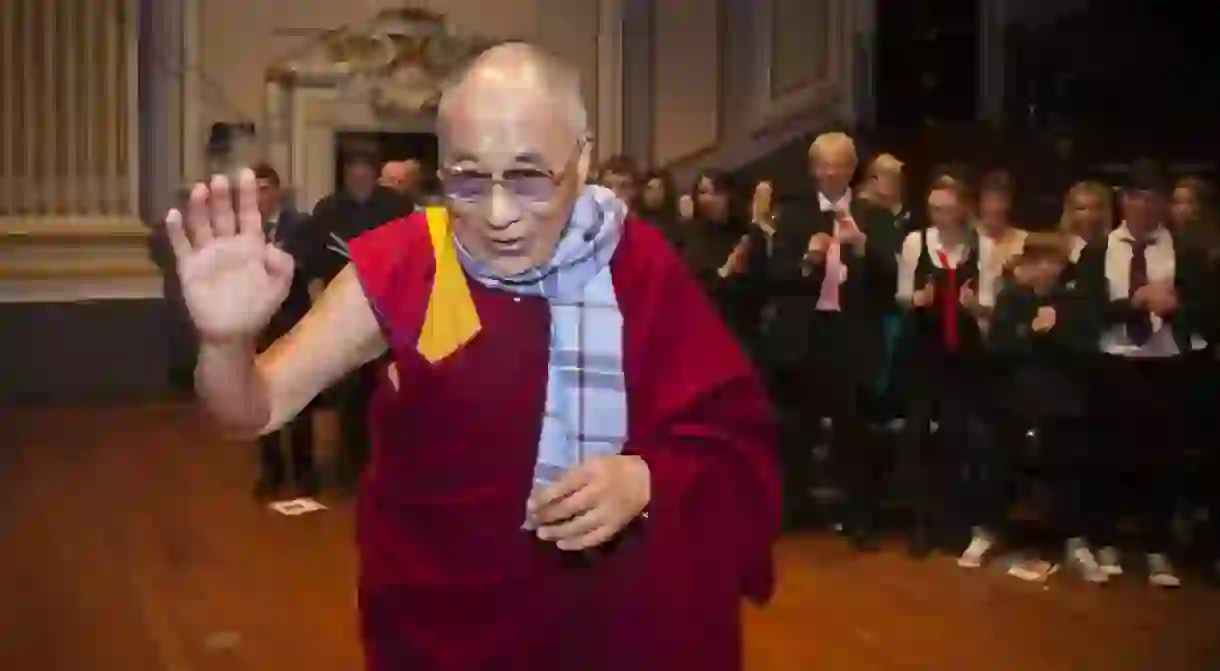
(574, 470)
(403, 176)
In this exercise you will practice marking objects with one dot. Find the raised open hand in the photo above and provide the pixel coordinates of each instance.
(233, 281)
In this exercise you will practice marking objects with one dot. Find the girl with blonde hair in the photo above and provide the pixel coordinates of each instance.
(1088, 213)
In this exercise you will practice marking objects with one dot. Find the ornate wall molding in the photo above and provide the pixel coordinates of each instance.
(802, 58)
(384, 75)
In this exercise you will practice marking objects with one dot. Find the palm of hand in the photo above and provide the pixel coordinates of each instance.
(230, 288)
(232, 280)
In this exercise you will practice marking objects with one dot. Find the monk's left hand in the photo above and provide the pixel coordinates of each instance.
(592, 502)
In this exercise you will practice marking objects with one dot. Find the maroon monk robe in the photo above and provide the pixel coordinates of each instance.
(449, 580)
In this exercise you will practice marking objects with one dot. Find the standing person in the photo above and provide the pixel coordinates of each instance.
(1039, 330)
(289, 231)
(621, 175)
(361, 205)
(1088, 215)
(502, 525)
(1147, 286)
(834, 270)
(994, 438)
(1193, 217)
(658, 206)
(885, 187)
(937, 375)
(718, 252)
(999, 240)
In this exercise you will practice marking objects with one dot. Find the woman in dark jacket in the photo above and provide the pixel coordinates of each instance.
(723, 255)
(658, 206)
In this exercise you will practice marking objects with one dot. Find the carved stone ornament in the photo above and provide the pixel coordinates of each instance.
(398, 61)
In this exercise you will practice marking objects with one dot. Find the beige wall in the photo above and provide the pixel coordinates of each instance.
(235, 40)
(709, 82)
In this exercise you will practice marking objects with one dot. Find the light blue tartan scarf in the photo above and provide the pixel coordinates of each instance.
(586, 397)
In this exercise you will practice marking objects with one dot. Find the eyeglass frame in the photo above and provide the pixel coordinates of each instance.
(555, 180)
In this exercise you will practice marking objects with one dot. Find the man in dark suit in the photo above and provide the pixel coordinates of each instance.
(289, 230)
(834, 273)
(361, 205)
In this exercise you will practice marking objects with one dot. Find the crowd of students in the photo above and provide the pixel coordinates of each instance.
(949, 357)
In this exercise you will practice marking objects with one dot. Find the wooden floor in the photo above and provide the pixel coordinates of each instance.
(129, 543)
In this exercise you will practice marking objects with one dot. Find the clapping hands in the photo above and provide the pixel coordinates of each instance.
(849, 233)
(1045, 319)
(736, 263)
(1159, 298)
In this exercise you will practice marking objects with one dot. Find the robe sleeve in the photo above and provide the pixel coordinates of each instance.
(701, 420)
(394, 265)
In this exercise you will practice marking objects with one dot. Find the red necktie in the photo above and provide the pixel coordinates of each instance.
(948, 303)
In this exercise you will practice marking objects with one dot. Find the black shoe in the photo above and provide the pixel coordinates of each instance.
(308, 485)
(864, 540)
(268, 488)
(919, 545)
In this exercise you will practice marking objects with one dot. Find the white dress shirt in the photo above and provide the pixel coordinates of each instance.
(1162, 267)
(908, 260)
(842, 204)
(993, 254)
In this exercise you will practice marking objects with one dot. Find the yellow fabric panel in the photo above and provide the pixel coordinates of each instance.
(451, 320)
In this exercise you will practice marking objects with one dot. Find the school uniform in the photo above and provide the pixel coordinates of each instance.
(994, 442)
(828, 337)
(1203, 424)
(1143, 376)
(888, 406)
(1039, 389)
(937, 378)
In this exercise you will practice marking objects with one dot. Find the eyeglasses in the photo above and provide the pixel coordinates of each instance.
(531, 186)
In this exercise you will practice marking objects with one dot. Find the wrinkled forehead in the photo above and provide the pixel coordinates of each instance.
(497, 129)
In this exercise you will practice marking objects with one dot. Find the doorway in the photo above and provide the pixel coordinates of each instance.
(391, 146)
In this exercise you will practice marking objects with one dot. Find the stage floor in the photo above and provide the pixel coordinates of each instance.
(130, 543)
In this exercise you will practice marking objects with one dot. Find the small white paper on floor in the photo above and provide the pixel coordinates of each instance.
(297, 507)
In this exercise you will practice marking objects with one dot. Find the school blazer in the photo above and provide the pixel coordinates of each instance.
(867, 294)
(1190, 280)
(1011, 334)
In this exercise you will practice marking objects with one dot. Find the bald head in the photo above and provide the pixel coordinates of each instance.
(512, 84)
(402, 176)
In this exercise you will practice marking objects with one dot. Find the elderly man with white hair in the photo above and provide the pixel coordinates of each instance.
(574, 468)
(834, 262)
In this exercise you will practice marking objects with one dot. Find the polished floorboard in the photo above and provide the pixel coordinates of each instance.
(128, 542)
